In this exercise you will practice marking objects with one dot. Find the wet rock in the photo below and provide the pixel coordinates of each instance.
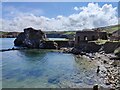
(107, 83)
(30, 38)
(114, 64)
(78, 81)
(95, 87)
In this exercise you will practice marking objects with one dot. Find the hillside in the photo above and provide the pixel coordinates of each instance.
(108, 29)
(8, 34)
(111, 29)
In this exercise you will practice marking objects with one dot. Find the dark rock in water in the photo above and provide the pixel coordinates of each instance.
(32, 38)
(19, 41)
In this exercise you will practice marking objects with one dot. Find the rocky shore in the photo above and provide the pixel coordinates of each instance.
(109, 65)
(109, 69)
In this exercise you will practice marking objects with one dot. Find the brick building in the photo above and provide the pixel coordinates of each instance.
(89, 36)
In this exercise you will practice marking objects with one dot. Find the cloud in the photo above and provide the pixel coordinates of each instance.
(91, 16)
(76, 8)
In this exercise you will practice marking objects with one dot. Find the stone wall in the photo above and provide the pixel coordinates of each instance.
(89, 36)
(88, 46)
(109, 47)
(65, 43)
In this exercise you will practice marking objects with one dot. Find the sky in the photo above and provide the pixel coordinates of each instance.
(58, 16)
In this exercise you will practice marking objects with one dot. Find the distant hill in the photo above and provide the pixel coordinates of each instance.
(108, 29)
(111, 29)
(8, 34)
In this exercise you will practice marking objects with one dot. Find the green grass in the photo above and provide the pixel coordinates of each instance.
(99, 41)
(61, 32)
(111, 29)
(69, 32)
(1, 32)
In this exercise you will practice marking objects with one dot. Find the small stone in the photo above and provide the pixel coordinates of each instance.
(104, 61)
(107, 83)
(95, 87)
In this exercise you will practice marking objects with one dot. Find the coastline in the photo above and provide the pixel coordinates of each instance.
(109, 69)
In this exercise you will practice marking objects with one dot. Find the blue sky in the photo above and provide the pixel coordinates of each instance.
(58, 16)
(48, 9)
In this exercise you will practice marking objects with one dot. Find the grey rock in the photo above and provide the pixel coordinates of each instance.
(32, 38)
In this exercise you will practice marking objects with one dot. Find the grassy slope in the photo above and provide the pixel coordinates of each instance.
(60, 32)
(1, 32)
(111, 29)
(108, 29)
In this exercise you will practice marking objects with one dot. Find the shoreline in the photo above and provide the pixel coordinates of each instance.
(109, 69)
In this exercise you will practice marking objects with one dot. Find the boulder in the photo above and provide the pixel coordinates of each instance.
(30, 38)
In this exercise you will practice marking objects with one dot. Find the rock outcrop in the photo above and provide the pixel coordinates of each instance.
(32, 38)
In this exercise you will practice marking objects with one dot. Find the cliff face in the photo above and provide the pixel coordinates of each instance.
(30, 38)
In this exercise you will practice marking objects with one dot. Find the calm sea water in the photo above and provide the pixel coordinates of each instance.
(59, 39)
(45, 69)
(6, 43)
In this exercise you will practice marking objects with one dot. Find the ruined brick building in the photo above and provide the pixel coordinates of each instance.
(89, 36)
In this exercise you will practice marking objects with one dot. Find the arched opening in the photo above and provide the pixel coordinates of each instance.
(78, 39)
(85, 38)
(93, 37)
